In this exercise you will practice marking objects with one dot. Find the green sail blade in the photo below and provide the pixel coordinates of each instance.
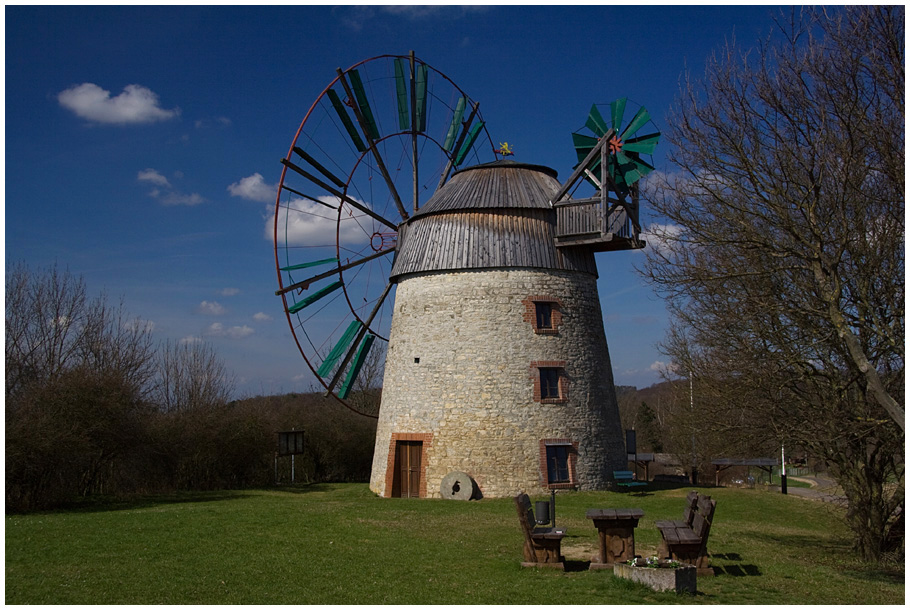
(314, 297)
(324, 261)
(356, 365)
(472, 137)
(346, 121)
(364, 104)
(401, 88)
(421, 87)
(331, 360)
(456, 121)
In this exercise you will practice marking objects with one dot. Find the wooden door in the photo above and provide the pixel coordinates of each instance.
(406, 480)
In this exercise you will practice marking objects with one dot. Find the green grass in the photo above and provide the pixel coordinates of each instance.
(339, 544)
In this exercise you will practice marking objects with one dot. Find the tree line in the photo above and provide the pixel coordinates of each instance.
(95, 406)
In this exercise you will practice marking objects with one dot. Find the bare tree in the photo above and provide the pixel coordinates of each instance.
(783, 256)
(191, 377)
(45, 321)
(77, 372)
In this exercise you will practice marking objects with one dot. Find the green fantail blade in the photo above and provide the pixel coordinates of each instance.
(617, 109)
(644, 144)
(596, 122)
(641, 117)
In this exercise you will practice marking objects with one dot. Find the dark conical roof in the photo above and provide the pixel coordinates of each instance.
(495, 215)
(496, 185)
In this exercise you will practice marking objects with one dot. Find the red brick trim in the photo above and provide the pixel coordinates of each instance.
(573, 459)
(427, 440)
(530, 314)
(563, 381)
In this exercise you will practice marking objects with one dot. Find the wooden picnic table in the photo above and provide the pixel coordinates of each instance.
(616, 529)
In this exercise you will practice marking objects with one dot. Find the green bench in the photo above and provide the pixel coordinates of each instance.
(626, 478)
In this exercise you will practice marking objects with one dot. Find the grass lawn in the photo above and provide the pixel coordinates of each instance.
(339, 544)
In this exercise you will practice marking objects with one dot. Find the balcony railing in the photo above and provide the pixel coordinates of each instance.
(593, 222)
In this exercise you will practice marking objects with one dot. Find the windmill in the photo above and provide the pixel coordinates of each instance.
(496, 366)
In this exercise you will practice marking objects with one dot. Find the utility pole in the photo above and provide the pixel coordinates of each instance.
(783, 472)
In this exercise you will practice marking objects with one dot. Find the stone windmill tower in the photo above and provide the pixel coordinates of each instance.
(497, 364)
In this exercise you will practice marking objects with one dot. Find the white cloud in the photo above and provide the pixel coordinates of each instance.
(139, 325)
(262, 317)
(211, 308)
(254, 188)
(660, 236)
(665, 368)
(169, 195)
(305, 222)
(229, 292)
(151, 175)
(190, 340)
(416, 12)
(412, 11)
(234, 332)
(136, 104)
(218, 121)
(177, 198)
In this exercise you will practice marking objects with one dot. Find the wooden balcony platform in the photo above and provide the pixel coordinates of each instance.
(600, 242)
(589, 223)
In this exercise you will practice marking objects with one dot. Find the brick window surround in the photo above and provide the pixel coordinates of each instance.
(530, 314)
(427, 440)
(572, 459)
(563, 380)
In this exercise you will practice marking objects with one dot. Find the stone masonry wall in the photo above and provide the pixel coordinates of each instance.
(463, 366)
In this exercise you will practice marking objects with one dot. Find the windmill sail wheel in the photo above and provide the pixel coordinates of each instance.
(625, 165)
(376, 144)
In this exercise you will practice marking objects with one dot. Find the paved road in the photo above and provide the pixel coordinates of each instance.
(822, 489)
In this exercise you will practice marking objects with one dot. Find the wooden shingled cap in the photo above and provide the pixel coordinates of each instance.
(494, 215)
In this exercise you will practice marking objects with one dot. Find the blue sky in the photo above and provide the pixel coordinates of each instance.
(143, 144)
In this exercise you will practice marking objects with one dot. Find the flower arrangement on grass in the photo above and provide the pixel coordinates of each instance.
(653, 562)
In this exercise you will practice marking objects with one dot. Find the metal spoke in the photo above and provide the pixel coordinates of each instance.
(305, 284)
(414, 127)
(338, 194)
(322, 170)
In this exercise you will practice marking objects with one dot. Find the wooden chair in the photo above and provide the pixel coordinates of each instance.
(687, 540)
(542, 544)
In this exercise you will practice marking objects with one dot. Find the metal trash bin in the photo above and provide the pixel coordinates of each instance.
(542, 512)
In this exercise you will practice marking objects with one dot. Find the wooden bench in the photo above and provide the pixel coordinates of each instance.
(542, 544)
(687, 540)
(625, 478)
